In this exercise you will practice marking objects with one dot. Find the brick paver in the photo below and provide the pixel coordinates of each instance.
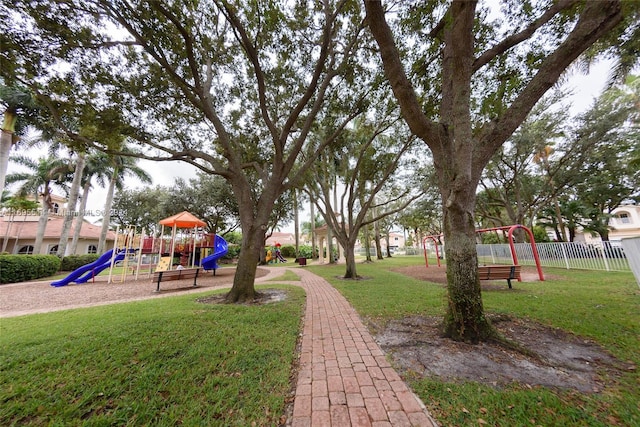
(344, 378)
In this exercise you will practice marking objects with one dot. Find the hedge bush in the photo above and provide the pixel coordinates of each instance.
(23, 268)
(305, 251)
(288, 251)
(233, 252)
(72, 262)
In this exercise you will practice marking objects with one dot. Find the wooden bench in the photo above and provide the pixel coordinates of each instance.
(499, 272)
(187, 273)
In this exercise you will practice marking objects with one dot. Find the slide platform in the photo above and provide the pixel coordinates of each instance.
(220, 249)
(86, 272)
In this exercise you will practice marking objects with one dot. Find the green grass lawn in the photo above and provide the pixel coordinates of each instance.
(601, 306)
(167, 361)
(173, 360)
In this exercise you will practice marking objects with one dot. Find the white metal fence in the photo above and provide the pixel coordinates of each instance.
(632, 251)
(569, 255)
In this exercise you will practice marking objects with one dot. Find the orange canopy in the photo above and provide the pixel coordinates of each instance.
(183, 220)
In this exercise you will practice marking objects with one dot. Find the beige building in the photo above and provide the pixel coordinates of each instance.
(624, 222)
(18, 232)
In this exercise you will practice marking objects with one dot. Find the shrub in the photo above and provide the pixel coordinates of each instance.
(540, 234)
(22, 268)
(233, 237)
(305, 251)
(288, 251)
(72, 262)
(233, 252)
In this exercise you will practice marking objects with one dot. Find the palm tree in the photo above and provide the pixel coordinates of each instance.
(96, 166)
(42, 175)
(72, 201)
(120, 167)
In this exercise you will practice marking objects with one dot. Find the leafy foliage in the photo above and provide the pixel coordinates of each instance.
(22, 268)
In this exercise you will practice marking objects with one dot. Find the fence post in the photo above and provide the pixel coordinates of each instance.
(564, 255)
(604, 256)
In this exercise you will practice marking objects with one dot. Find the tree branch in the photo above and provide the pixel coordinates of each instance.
(428, 131)
(596, 20)
(523, 35)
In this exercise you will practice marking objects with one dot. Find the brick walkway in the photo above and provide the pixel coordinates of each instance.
(344, 377)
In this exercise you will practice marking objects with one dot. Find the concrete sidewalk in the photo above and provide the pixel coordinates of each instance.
(344, 377)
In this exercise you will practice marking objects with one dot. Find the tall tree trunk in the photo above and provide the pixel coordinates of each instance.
(330, 244)
(367, 243)
(296, 221)
(314, 252)
(5, 240)
(376, 235)
(388, 240)
(350, 261)
(107, 213)
(42, 228)
(559, 220)
(243, 288)
(7, 139)
(80, 219)
(465, 319)
(71, 205)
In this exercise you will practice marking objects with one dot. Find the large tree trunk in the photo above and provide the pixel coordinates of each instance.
(243, 288)
(465, 320)
(350, 260)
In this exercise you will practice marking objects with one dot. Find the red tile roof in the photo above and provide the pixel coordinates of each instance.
(28, 229)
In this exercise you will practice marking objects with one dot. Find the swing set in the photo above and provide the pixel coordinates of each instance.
(510, 229)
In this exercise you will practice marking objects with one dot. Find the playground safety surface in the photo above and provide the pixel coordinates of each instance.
(18, 299)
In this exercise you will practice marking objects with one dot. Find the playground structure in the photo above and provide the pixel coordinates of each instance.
(136, 253)
(107, 260)
(275, 255)
(510, 229)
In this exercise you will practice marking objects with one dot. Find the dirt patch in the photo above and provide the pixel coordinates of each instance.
(439, 275)
(265, 296)
(549, 357)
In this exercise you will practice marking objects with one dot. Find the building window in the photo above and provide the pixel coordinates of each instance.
(26, 250)
(56, 208)
(396, 239)
(624, 218)
(53, 250)
(92, 249)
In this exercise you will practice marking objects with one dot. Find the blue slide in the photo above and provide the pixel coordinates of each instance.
(220, 249)
(89, 270)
